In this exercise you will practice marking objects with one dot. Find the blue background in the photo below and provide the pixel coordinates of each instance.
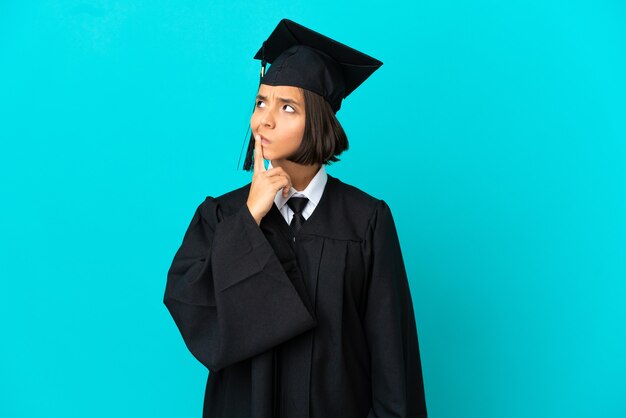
(495, 131)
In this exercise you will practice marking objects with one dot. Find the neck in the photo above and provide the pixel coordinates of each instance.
(301, 175)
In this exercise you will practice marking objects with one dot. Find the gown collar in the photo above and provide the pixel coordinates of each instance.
(323, 222)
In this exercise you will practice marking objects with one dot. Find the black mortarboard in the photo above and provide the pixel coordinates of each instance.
(303, 58)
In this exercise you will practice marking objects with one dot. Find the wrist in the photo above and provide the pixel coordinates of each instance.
(255, 215)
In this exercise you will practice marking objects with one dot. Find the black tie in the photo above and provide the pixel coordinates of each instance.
(297, 205)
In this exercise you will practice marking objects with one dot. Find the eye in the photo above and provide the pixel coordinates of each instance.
(259, 103)
(289, 107)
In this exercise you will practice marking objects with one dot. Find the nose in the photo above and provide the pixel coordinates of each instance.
(267, 119)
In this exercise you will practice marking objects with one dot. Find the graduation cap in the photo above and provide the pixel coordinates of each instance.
(304, 58)
(300, 57)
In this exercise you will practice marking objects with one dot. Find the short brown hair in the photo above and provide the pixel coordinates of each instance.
(323, 139)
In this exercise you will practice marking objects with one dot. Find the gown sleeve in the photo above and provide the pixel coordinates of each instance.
(396, 372)
(227, 291)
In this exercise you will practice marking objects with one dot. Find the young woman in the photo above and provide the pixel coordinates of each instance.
(292, 289)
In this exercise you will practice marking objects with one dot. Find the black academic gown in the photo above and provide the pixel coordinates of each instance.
(319, 327)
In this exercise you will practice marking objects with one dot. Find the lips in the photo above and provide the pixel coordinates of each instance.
(264, 140)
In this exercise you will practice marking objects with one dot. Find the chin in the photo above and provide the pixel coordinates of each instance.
(273, 156)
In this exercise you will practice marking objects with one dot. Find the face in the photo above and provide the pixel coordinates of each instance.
(279, 118)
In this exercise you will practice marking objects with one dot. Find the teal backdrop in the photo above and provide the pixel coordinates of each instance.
(494, 130)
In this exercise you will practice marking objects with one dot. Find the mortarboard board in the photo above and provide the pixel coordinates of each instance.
(304, 58)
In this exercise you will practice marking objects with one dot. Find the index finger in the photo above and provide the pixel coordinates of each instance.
(258, 155)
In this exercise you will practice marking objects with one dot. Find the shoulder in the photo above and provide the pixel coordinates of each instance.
(353, 193)
(220, 206)
(356, 197)
(364, 209)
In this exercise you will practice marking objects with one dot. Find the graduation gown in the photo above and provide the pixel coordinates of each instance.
(317, 325)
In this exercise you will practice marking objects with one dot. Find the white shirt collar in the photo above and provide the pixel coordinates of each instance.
(313, 190)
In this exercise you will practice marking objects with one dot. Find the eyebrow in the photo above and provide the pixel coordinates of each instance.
(280, 99)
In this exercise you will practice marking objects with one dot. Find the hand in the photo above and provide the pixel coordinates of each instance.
(265, 184)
